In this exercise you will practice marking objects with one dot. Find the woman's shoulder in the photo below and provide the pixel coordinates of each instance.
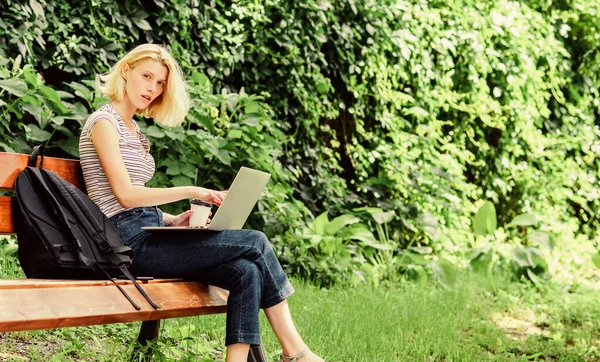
(104, 112)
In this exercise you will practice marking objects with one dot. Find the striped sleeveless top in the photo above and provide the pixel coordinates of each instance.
(135, 153)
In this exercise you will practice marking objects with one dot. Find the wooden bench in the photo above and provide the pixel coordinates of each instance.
(30, 304)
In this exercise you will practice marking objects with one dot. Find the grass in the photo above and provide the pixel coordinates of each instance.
(481, 318)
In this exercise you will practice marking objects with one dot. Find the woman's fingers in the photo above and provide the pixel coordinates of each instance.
(182, 219)
(218, 197)
(211, 196)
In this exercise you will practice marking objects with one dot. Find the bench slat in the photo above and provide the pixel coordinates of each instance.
(35, 304)
(13, 163)
(6, 220)
(59, 283)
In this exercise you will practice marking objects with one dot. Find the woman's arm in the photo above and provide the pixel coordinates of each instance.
(106, 142)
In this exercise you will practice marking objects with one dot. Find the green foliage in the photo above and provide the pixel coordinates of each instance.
(527, 257)
(415, 107)
(31, 112)
(485, 220)
(9, 265)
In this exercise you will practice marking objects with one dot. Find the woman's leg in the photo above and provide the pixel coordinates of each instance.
(280, 318)
(237, 352)
(190, 254)
(241, 261)
(244, 281)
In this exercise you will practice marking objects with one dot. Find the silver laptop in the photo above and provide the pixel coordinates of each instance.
(237, 205)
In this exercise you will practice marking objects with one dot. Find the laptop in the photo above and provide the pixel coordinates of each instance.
(237, 205)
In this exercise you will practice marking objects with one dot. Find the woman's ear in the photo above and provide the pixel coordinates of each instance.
(125, 71)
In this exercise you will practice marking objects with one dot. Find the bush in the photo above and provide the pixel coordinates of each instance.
(427, 109)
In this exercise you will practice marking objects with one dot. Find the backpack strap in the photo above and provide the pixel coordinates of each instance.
(37, 150)
(98, 269)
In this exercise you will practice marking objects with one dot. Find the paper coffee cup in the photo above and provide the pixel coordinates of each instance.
(201, 211)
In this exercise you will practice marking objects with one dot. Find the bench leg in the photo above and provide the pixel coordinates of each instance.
(257, 354)
(148, 332)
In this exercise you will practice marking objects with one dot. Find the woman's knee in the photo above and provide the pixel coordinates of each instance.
(247, 272)
(260, 241)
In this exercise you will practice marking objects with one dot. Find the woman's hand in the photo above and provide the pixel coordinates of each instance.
(207, 195)
(182, 219)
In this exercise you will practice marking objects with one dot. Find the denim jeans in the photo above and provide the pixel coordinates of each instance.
(240, 261)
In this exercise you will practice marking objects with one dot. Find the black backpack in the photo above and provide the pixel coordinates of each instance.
(62, 234)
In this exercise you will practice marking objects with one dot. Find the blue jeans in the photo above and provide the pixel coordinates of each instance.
(240, 261)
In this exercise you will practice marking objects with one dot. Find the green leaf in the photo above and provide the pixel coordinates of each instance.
(235, 134)
(143, 24)
(360, 233)
(445, 271)
(419, 259)
(177, 136)
(370, 210)
(182, 181)
(368, 239)
(35, 110)
(50, 94)
(339, 222)
(526, 219)
(417, 112)
(251, 119)
(9, 249)
(202, 81)
(81, 91)
(596, 260)
(232, 100)
(38, 9)
(541, 238)
(173, 170)
(52, 100)
(70, 146)
(522, 257)
(16, 87)
(30, 77)
(429, 224)
(224, 157)
(320, 223)
(34, 133)
(383, 217)
(154, 132)
(479, 258)
(189, 170)
(425, 250)
(323, 87)
(206, 121)
(64, 95)
(485, 221)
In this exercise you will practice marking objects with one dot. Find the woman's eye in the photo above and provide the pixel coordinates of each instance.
(162, 84)
(146, 76)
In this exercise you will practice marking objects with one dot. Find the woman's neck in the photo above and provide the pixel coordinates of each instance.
(125, 109)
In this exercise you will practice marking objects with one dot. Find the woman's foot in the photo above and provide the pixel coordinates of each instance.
(305, 355)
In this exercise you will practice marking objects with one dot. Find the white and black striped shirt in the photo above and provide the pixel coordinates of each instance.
(135, 152)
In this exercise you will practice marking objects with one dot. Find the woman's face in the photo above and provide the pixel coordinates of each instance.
(145, 82)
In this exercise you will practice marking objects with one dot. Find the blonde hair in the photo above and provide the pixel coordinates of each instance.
(168, 109)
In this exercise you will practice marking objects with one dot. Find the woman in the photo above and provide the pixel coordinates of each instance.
(117, 164)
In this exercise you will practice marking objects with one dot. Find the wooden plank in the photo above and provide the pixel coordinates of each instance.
(13, 163)
(32, 304)
(6, 220)
(62, 283)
